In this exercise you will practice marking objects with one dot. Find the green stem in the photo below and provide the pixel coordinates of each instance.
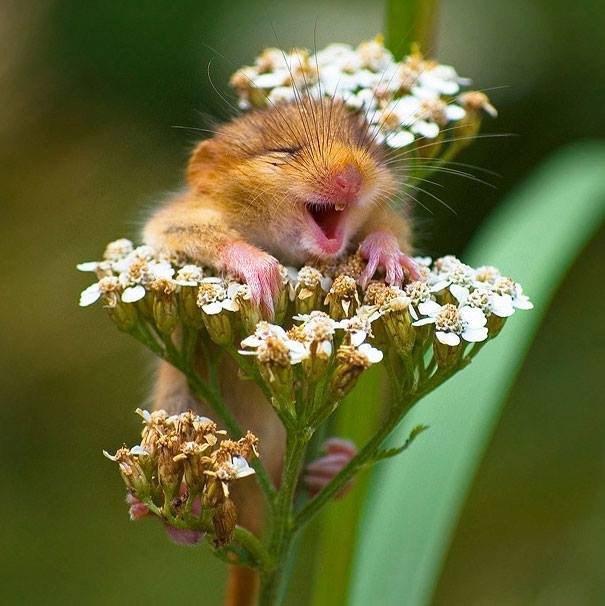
(253, 546)
(282, 526)
(364, 456)
(347, 473)
(409, 22)
(243, 537)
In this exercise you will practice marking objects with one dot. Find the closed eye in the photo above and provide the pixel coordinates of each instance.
(284, 150)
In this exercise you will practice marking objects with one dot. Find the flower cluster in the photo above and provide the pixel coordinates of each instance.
(404, 100)
(324, 319)
(182, 471)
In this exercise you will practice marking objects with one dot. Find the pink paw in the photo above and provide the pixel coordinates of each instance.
(381, 250)
(321, 471)
(259, 270)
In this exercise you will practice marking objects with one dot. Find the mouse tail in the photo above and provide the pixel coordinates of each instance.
(242, 586)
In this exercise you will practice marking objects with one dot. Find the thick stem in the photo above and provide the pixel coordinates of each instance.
(409, 22)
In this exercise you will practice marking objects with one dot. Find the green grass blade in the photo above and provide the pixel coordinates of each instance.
(415, 501)
(356, 420)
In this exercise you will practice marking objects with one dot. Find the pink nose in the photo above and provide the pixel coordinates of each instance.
(347, 183)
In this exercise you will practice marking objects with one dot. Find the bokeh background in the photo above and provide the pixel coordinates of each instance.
(98, 104)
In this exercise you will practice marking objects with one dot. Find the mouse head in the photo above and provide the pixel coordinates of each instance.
(310, 167)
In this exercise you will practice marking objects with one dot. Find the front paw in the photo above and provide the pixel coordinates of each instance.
(259, 270)
(381, 251)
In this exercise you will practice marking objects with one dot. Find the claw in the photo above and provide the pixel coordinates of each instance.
(320, 472)
(258, 269)
(381, 250)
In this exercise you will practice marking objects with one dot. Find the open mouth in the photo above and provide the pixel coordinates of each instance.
(326, 222)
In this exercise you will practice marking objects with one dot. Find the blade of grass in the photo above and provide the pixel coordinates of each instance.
(357, 419)
(415, 501)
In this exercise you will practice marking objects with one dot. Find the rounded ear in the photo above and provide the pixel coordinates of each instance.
(202, 159)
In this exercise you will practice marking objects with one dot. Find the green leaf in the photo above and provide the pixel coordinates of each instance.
(388, 453)
(415, 501)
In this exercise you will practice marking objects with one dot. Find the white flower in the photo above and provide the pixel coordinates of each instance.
(442, 79)
(486, 300)
(318, 327)
(132, 294)
(90, 295)
(505, 286)
(189, 275)
(424, 261)
(399, 139)
(241, 468)
(109, 287)
(281, 94)
(407, 99)
(214, 296)
(359, 326)
(265, 333)
(453, 323)
(118, 249)
(418, 292)
(450, 271)
(372, 354)
(88, 266)
(272, 79)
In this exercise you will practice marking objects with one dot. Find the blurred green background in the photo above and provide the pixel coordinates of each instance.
(90, 95)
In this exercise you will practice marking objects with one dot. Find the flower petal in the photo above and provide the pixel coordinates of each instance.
(474, 335)
(460, 292)
(448, 338)
(90, 295)
(133, 293)
(213, 308)
(88, 266)
(429, 308)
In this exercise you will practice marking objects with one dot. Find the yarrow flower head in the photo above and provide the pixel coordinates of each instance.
(404, 100)
(452, 324)
(182, 471)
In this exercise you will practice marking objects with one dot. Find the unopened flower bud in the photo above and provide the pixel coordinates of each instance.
(282, 299)
(219, 327)
(164, 306)
(250, 314)
(224, 521)
(217, 303)
(131, 471)
(398, 324)
(124, 316)
(274, 363)
(170, 472)
(350, 363)
(447, 356)
(189, 310)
